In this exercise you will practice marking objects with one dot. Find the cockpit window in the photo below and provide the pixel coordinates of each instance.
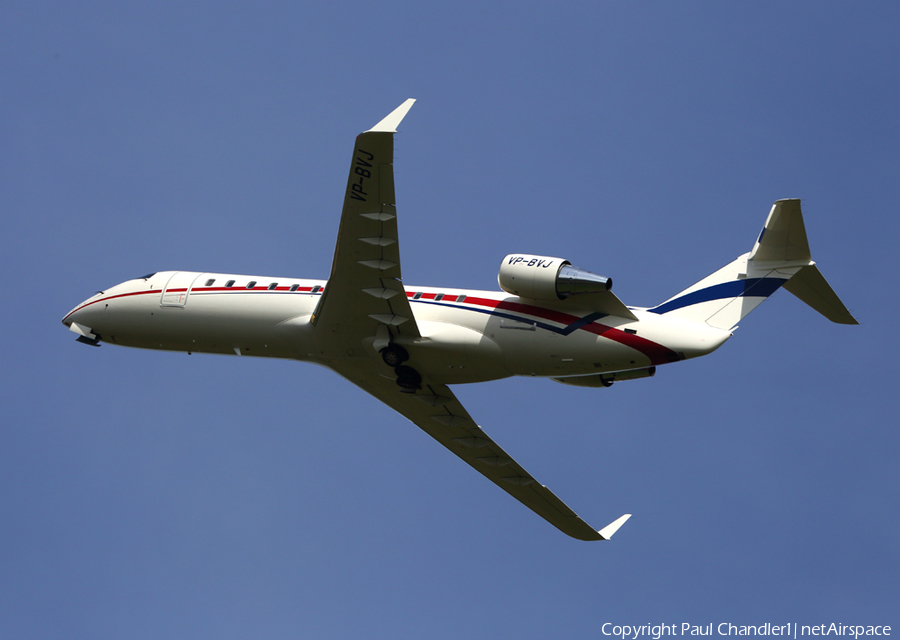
(148, 276)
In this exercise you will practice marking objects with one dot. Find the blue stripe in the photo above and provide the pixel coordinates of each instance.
(755, 287)
(582, 322)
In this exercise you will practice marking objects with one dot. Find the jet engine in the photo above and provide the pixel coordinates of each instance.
(544, 278)
(606, 379)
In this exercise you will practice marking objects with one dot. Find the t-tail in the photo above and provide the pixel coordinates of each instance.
(779, 258)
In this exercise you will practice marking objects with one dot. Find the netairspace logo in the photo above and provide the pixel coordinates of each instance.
(790, 630)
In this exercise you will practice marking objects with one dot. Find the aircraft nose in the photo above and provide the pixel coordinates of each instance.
(75, 315)
(79, 313)
(83, 321)
(72, 316)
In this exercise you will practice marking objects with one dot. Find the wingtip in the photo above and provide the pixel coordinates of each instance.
(390, 122)
(607, 532)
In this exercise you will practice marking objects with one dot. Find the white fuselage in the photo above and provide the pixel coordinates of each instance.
(467, 336)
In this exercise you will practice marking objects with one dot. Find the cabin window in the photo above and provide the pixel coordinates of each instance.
(273, 286)
(438, 297)
(294, 287)
(230, 283)
(316, 289)
(418, 295)
(209, 282)
(251, 284)
(461, 299)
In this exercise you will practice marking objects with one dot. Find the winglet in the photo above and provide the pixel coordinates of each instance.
(392, 120)
(607, 532)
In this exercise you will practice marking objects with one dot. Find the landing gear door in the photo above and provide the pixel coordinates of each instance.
(177, 289)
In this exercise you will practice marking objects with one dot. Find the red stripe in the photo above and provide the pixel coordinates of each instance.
(194, 290)
(657, 353)
(121, 295)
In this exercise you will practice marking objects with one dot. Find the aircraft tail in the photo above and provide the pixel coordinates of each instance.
(779, 258)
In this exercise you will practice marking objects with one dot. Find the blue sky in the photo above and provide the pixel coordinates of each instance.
(149, 495)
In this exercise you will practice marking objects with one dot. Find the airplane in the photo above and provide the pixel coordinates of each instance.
(406, 344)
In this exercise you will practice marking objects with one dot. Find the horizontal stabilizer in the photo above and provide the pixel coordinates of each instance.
(810, 286)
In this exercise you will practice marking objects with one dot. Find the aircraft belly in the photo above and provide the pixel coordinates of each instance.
(543, 343)
(543, 353)
(454, 354)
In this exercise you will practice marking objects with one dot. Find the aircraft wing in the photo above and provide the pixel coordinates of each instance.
(436, 411)
(364, 296)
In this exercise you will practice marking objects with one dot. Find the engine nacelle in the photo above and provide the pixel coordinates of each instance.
(606, 379)
(544, 278)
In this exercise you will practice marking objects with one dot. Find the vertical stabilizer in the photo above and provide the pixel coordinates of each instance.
(783, 237)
